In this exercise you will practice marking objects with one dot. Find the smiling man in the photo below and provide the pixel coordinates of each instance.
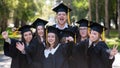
(61, 16)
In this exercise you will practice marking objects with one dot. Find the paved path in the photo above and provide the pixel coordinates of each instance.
(5, 61)
(116, 63)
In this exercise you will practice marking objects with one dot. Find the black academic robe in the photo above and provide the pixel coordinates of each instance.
(60, 58)
(35, 50)
(79, 55)
(98, 57)
(61, 31)
(19, 60)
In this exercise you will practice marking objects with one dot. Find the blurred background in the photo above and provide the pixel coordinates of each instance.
(16, 13)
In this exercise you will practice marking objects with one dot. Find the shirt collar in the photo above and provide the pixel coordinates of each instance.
(52, 51)
(65, 26)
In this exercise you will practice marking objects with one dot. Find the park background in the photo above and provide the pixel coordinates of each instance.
(16, 13)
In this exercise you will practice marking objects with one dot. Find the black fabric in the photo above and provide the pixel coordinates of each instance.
(60, 58)
(35, 50)
(98, 57)
(18, 60)
(79, 55)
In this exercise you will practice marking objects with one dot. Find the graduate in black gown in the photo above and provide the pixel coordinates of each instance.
(56, 54)
(79, 59)
(98, 52)
(37, 46)
(62, 18)
(19, 60)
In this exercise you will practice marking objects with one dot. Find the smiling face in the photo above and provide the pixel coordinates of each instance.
(62, 18)
(94, 36)
(27, 36)
(83, 32)
(51, 39)
(40, 31)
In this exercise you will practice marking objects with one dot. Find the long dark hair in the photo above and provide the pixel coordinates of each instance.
(37, 36)
(56, 42)
(23, 39)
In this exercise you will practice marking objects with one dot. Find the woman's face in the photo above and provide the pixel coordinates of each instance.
(27, 36)
(40, 31)
(51, 38)
(83, 32)
(94, 36)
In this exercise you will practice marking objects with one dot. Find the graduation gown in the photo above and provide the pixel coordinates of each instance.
(98, 57)
(79, 55)
(35, 50)
(60, 58)
(19, 60)
(61, 31)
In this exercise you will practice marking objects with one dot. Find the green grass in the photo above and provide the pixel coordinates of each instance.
(113, 40)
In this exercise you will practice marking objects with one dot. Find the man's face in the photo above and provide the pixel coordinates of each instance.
(61, 18)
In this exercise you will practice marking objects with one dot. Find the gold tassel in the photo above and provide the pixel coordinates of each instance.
(88, 27)
(68, 17)
(75, 38)
(15, 32)
(103, 34)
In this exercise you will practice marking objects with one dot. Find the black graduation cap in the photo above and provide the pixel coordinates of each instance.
(61, 8)
(97, 27)
(51, 29)
(24, 28)
(68, 33)
(38, 22)
(83, 23)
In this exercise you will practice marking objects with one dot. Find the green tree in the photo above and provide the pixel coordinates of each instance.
(80, 9)
(118, 1)
(107, 17)
(24, 11)
(97, 13)
(4, 13)
(90, 12)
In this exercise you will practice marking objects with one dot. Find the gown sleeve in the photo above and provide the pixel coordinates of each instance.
(10, 49)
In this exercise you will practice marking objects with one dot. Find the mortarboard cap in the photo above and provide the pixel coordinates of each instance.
(24, 28)
(68, 33)
(51, 29)
(38, 22)
(83, 23)
(61, 8)
(97, 27)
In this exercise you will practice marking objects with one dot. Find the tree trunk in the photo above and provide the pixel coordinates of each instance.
(107, 18)
(23, 23)
(16, 23)
(97, 15)
(4, 23)
(118, 17)
(4, 15)
(90, 13)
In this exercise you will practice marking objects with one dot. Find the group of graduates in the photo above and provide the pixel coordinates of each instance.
(60, 45)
